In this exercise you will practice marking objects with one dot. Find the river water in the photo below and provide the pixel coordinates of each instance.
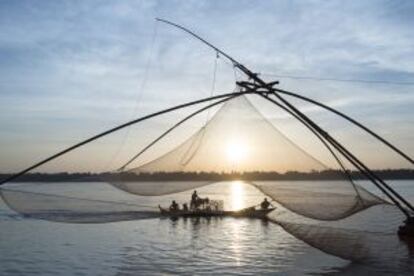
(162, 246)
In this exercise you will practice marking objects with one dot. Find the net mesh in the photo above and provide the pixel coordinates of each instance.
(238, 139)
(237, 142)
(61, 208)
(322, 200)
(368, 238)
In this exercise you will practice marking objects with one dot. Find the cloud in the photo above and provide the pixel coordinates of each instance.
(85, 62)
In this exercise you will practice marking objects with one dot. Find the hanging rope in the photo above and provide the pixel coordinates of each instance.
(213, 84)
(139, 95)
(192, 149)
(296, 77)
(171, 129)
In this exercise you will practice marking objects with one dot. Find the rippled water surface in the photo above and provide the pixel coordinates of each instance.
(163, 246)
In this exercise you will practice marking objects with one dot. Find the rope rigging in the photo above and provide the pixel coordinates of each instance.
(141, 90)
(114, 129)
(267, 90)
(172, 128)
(408, 83)
(261, 84)
(213, 82)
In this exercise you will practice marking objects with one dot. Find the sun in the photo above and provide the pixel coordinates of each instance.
(236, 151)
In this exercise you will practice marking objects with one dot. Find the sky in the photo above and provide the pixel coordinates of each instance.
(71, 69)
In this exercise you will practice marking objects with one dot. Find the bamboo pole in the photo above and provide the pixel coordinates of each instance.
(269, 87)
(117, 128)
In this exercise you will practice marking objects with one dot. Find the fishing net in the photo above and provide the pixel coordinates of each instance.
(61, 208)
(322, 200)
(237, 142)
(368, 238)
(236, 139)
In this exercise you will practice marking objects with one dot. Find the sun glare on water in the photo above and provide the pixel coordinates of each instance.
(237, 193)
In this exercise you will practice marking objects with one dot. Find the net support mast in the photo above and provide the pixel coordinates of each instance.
(258, 85)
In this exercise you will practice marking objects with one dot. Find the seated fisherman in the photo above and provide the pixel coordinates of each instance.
(185, 207)
(174, 206)
(265, 204)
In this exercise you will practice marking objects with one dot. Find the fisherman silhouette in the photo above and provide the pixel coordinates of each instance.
(174, 206)
(265, 204)
(194, 197)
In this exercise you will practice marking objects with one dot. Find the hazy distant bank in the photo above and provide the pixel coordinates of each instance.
(397, 174)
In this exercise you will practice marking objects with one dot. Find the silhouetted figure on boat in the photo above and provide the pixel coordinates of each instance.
(265, 204)
(174, 206)
(197, 202)
(194, 196)
(193, 203)
(185, 207)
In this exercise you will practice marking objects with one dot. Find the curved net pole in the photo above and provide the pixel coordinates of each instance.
(353, 121)
(326, 143)
(328, 147)
(117, 128)
(349, 156)
(384, 187)
(377, 181)
(268, 87)
(236, 64)
(395, 201)
(174, 127)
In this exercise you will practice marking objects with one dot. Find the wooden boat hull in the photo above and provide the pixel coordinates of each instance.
(244, 213)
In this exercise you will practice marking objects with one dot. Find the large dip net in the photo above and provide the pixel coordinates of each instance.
(237, 142)
(319, 202)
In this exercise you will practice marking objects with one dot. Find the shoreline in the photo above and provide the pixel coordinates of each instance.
(327, 175)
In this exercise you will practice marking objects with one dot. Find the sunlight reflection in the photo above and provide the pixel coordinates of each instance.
(235, 243)
(237, 195)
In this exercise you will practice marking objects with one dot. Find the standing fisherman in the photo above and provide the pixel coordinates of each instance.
(194, 198)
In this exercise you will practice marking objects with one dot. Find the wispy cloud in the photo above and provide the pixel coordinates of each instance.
(84, 62)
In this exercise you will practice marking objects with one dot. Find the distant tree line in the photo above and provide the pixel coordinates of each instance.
(397, 174)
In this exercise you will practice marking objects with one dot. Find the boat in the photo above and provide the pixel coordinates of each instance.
(250, 212)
